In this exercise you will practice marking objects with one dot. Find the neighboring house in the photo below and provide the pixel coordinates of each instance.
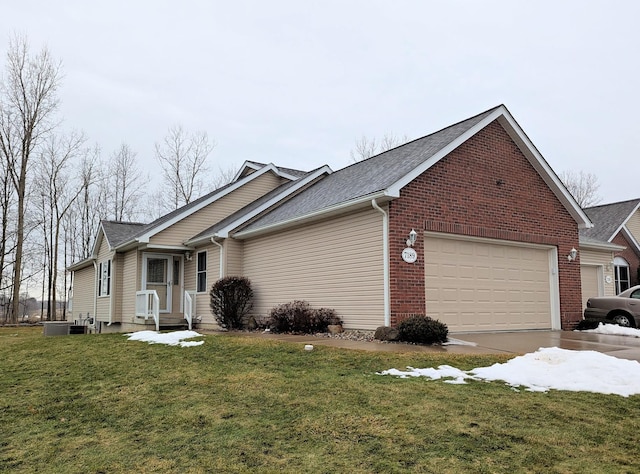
(616, 232)
(493, 227)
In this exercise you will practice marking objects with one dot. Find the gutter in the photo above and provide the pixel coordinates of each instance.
(385, 256)
(214, 241)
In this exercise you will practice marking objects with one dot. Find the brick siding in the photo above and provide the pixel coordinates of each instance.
(484, 188)
(630, 256)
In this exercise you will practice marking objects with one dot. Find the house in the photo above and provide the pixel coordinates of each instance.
(614, 264)
(468, 225)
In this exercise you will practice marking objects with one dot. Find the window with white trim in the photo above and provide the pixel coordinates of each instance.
(621, 271)
(104, 278)
(201, 272)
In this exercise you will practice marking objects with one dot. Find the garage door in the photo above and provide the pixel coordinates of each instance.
(590, 279)
(480, 285)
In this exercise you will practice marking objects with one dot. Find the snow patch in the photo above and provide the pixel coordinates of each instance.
(545, 369)
(613, 330)
(174, 338)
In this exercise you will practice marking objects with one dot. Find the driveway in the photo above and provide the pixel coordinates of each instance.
(523, 342)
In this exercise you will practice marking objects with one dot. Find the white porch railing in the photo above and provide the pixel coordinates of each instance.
(189, 306)
(148, 305)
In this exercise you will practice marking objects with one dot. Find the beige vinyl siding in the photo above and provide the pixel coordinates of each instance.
(130, 284)
(104, 302)
(336, 263)
(234, 251)
(603, 259)
(116, 287)
(590, 281)
(216, 211)
(83, 292)
(213, 273)
(633, 224)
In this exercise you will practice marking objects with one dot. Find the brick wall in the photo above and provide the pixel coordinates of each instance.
(484, 188)
(630, 256)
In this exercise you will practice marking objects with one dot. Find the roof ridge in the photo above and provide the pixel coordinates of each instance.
(614, 203)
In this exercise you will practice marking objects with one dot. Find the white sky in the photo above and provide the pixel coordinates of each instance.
(547, 368)
(296, 83)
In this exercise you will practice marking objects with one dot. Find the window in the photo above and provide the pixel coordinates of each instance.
(621, 268)
(104, 278)
(201, 275)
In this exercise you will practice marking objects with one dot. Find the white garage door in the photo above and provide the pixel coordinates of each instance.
(590, 279)
(480, 285)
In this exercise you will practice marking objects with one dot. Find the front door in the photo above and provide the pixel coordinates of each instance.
(158, 272)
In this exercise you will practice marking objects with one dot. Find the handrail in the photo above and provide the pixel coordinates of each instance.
(189, 305)
(148, 304)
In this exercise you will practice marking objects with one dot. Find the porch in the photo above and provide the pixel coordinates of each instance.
(149, 308)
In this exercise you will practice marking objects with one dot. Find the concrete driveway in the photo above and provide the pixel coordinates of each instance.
(523, 342)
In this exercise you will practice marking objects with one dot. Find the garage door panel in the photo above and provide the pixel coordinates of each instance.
(498, 286)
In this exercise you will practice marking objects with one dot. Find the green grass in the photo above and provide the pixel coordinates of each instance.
(103, 404)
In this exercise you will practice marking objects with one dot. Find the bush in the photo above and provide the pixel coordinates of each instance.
(231, 300)
(422, 330)
(299, 317)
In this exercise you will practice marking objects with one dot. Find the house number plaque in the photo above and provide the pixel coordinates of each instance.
(409, 255)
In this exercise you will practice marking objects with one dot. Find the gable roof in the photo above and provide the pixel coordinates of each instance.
(250, 166)
(384, 175)
(222, 228)
(608, 219)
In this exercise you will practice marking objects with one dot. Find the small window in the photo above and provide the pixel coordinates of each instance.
(636, 294)
(623, 281)
(104, 278)
(201, 275)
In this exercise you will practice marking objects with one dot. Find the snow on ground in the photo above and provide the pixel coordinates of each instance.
(174, 338)
(614, 330)
(545, 369)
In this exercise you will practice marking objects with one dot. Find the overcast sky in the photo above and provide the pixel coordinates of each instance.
(297, 82)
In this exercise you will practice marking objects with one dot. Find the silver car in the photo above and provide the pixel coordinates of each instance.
(622, 309)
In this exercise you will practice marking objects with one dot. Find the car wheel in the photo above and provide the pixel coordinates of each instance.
(623, 320)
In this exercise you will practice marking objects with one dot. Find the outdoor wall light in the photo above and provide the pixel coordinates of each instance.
(413, 235)
(187, 255)
(572, 255)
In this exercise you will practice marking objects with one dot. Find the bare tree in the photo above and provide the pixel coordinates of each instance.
(28, 100)
(223, 177)
(367, 147)
(582, 186)
(126, 184)
(183, 158)
(59, 189)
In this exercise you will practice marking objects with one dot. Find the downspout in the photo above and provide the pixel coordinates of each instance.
(95, 294)
(112, 285)
(214, 241)
(385, 256)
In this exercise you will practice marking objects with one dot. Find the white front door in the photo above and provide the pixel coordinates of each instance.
(158, 270)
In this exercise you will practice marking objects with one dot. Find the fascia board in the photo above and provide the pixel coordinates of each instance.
(631, 239)
(526, 146)
(81, 264)
(394, 189)
(312, 216)
(224, 232)
(244, 166)
(624, 223)
(544, 170)
(96, 245)
(144, 238)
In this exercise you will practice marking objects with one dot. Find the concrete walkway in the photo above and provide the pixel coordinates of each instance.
(515, 343)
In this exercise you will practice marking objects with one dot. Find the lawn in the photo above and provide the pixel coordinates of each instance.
(103, 404)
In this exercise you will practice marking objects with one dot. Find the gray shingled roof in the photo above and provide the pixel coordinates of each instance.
(368, 176)
(119, 232)
(607, 219)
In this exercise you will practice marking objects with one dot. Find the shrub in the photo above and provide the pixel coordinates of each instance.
(299, 317)
(422, 330)
(231, 300)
